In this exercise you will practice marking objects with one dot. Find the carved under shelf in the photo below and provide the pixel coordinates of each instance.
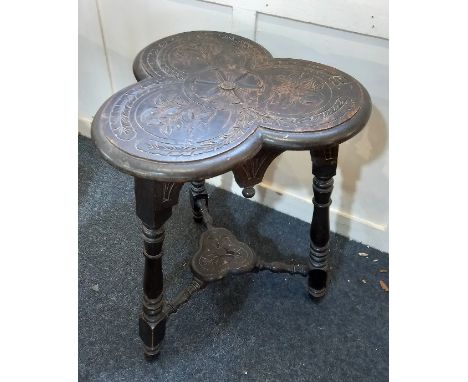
(221, 254)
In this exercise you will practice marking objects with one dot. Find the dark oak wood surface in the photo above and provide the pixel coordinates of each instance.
(211, 102)
(180, 55)
(215, 100)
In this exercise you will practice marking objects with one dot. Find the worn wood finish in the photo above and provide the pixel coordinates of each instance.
(207, 103)
(154, 202)
(324, 163)
(183, 54)
(206, 113)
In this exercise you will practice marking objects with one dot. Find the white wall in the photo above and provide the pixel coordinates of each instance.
(360, 197)
(94, 85)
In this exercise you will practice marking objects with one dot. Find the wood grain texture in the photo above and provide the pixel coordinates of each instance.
(214, 99)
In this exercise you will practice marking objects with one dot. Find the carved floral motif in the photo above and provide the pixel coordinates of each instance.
(214, 89)
(220, 254)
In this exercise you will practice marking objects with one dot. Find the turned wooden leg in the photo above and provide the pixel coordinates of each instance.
(324, 162)
(154, 201)
(197, 191)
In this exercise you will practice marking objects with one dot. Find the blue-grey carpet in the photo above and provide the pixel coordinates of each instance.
(253, 327)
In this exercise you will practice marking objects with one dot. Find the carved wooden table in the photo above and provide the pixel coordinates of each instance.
(207, 103)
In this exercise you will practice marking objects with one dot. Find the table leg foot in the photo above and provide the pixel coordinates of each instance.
(154, 201)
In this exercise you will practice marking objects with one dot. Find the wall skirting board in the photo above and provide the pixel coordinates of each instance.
(354, 227)
(84, 126)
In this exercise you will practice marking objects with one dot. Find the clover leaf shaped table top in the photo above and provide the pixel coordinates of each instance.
(207, 101)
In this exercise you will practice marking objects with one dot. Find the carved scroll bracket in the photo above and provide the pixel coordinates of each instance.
(252, 171)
